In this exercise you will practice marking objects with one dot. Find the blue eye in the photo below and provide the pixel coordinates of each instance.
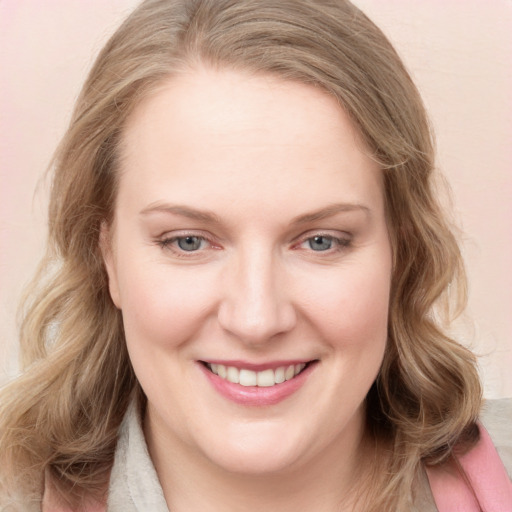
(189, 243)
(186, 245)
(320, 243)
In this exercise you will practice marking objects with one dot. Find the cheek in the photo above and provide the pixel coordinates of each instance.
(351, 318)
(162, 307)
(350, 308)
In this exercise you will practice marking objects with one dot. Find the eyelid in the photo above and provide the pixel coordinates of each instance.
(183, 233)
(335, 235)
(167, 240)
(342, 239)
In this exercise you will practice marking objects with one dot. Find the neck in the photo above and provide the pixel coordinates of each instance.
(328, 482)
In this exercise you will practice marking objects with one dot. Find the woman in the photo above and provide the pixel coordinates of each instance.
(238, 308)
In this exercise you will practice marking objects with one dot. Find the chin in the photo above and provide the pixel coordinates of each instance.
(259, 452)
(253, 464)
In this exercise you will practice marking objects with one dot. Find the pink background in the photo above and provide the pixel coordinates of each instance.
(458, 51)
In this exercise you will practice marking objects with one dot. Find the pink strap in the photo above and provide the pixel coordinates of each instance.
(489, 481)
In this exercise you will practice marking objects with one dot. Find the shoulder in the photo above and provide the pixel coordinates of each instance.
(496, 417)
(478, 480)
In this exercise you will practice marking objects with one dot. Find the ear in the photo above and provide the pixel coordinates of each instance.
(107, 253)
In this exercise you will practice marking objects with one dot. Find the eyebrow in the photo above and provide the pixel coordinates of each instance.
(183, 211)
(210, 217)
(330, 211)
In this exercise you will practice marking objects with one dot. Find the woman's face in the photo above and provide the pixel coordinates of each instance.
(251, 260)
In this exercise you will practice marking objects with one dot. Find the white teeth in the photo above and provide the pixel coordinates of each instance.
(233, 375)
(289, 372)
(279, 375)
(248, 378)
(265, 378)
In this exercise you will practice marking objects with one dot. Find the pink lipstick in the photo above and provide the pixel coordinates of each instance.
(257, 384)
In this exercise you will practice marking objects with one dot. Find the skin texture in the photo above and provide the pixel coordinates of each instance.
(259, 155)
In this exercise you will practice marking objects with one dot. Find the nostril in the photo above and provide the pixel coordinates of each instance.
(254, 325)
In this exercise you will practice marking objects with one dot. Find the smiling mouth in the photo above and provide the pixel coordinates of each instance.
(250, 378)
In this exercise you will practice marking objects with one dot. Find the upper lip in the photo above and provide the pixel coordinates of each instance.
(257, 367)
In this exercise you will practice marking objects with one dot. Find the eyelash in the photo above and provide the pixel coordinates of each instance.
(339, 243)
(167, 243)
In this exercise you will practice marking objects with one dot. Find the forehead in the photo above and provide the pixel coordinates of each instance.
(206, 134)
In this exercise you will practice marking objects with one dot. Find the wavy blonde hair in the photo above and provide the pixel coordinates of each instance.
(61, 417)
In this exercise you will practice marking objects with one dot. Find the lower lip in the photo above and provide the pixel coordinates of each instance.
(254, 395)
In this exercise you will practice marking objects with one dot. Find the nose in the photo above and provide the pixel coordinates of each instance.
(256, 306)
